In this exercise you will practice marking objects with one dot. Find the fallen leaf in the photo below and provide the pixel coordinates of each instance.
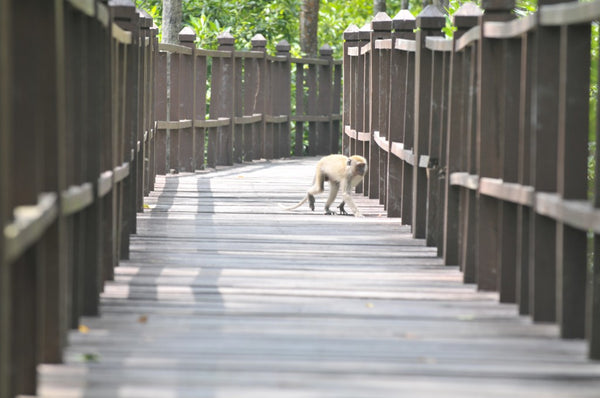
(83, 329)
(370, 305)
(146, 206)
(466, 317)
(143, 319)
(91, 357)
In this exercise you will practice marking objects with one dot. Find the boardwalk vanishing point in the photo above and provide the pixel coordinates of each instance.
(227, 295)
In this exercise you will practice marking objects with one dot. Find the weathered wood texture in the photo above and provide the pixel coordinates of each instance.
(481, 144)
(225, 294)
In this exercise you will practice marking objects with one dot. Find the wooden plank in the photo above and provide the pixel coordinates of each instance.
(226, 294)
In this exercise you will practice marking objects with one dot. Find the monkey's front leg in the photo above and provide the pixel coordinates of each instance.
(333, 191)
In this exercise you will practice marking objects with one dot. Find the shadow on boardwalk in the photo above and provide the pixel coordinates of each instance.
(226, 295)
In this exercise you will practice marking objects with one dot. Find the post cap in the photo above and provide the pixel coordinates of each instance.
(404, 20)
(187, 35)
(467, 15)
(431, 18)
(258, 41)
(145, 19)
(326, 51)
(225, 39)
(498, 5)
(382, 22)
(351, 32)
(364, 33)
(283, 46)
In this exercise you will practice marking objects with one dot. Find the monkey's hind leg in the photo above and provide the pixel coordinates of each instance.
(333, 191)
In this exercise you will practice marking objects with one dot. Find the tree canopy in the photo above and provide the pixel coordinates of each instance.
(279, 19)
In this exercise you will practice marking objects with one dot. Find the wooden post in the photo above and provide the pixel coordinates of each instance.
(186, 161)
(199, 110)
(544, 139)
(465, 18)
(222, 98)
(593, 324)
(349, 96)
(5, 171)
(429, 22)
(363, 101)
(435, 170)
(381, 27)
(324, 104)
(282, 89)
(490, 145)
(312, 108)
(573, 119)
(126, 17)
(160, 110)
(255, 94)
(524, 172)
(404, 25)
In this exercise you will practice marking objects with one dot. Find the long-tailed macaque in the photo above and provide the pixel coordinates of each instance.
(341, 172)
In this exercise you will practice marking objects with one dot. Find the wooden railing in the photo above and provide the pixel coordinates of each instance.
(76, 122)
(480, 143)
(249, 111)
(83, 133)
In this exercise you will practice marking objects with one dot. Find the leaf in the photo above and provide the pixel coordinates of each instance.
(143, 319)
(90, 357)
(83, 329)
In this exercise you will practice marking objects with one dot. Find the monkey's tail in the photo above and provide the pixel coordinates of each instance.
(296, 205)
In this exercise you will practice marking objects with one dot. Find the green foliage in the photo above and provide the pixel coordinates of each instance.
(275, 20)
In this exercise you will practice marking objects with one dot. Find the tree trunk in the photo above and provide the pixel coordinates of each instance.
(378, 6)
(309, 22)
(404, 5)
(172, 21)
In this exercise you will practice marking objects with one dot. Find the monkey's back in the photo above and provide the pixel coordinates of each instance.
(332, 167)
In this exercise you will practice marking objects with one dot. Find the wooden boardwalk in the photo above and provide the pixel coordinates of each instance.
(226, 295)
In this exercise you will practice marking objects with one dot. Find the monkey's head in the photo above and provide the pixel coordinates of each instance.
(358, 164)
